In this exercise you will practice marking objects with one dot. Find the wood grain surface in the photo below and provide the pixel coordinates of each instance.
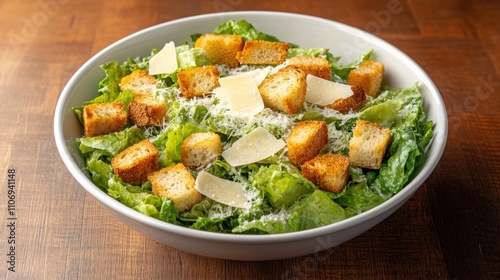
(450, 229)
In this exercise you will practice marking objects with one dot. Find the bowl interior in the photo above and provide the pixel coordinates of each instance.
(306, 31)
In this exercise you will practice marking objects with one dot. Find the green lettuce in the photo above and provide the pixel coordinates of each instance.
(358, 198)
(340, 73)
(113, 143)
(281, 187)
(175, 136)
(315, 210)
(99, 150)
(143, 201)
(402, 111)
(244, 29)
(271, 223)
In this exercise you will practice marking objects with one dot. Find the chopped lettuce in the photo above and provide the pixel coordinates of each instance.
(174, 140)
(143, 201)
(358, 198)
(315, 210)
(340, 73)
(281, 187)
(113, 143)
(98, 151)
(244, 29)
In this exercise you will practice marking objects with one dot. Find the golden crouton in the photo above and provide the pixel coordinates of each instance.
(134, 163)
(139, 82)
(285, 90)
(146, 110)
(306, 141)
(368, 145)
(314, 65)
(369, 76)
(263, 52)
(176, 183)
(330, 172)
(221, 48)
(351, 103)
(198, 81)
(200, 149)
(103, 118)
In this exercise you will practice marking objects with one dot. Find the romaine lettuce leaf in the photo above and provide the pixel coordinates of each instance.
(340, 73)
(113, 143)
(143, 201)
(271, 223)
(132, 195)
(358, 198)
(176, 135)
(98, 151)
(314, 210)
(281, 187)
(99, 168)
(210, 215)
(109, 87)
(244, 29)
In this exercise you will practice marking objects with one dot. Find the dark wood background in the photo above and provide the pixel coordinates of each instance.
(448, 230)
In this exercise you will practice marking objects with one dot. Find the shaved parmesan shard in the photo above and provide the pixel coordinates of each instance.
(242, 94)
(260, 74)
(325, 92)
(257, 145)
(165, 61)
(220, 93)
(223, 191)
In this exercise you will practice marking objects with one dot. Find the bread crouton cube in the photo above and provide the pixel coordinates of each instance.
(263, 52)
(176, 183)
(198, 81)
(314, 65)
(200, 149)
(284, 90)
(368, 145)
(351, 103)
(330, 172)
(306, 141)
(139, 82)
(369, 76)
(134, 163)
(221, 48)
(103, 118)
(146, 110)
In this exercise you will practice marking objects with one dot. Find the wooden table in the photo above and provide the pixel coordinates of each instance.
(450, 229)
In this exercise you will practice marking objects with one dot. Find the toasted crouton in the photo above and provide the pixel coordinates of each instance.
(351, 103)
(103, 118)
(314, 65)
(176, 183)
(221, 48)
(330, 172)
(139, 82)
(306, 141)
(146, 110)
(198, 81)
(284, 90)
(200, 149)
(263, 52)
(368, 145)
(369, 76)
(134, 163)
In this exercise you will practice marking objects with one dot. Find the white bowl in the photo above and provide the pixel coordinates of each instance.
(307, 31)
